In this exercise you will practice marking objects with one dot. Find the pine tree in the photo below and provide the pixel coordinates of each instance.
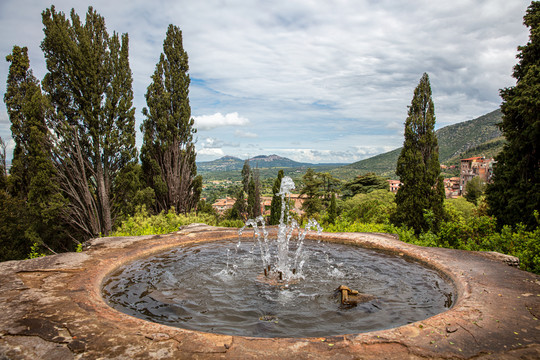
(364, 184)
(168, 151)
(275, 206)
(89, 84)
(514, 194)
(32, 178)
(418, 166)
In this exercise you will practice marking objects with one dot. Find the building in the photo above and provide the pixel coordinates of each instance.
(394, 185)
(473, 167)
(451, 187)
(222, 205)
(266, 204)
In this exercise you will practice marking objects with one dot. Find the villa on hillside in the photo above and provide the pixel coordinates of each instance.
(222, 205)
(451, 187)
(394, 185)
(473, 167)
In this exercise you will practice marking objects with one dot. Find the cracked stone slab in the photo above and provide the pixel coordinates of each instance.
(52, 308)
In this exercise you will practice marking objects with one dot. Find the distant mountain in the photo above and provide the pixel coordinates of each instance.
(231, 163)
(476, 137)
(226, 163)
(461, 137)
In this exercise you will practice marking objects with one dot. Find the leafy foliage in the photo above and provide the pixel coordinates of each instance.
(373, 207)
(142, 223)
(474, 189)
(515, 192)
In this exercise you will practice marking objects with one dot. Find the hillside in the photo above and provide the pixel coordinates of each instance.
(479, 136)
(231, 163)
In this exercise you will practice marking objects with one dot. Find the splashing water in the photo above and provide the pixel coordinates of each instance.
(287, 262)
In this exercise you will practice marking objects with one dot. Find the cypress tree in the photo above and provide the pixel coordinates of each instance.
(33, 176)
(89, 84)
(168, 151)
(332, 209)
(251, 204)
(312, 189)
(514, 194)
(246, 174)
(3, 167)
(275, 206)
(418, 166)
(239, 208)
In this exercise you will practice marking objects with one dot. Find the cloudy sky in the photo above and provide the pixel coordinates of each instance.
(316, 81)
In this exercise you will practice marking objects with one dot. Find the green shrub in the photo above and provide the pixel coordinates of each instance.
(374, 207)
(232, 223)
(35, 252)
(141, 223)
(466, 234)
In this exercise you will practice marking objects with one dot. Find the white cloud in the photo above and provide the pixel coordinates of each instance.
(211, 152)
(307, 71)
(209, 122)
(245, 134)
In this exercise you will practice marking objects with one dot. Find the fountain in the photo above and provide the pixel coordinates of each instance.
(54, 307)
(286, 266)
(286, 285)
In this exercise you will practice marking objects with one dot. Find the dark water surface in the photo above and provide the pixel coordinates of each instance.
(216, 287)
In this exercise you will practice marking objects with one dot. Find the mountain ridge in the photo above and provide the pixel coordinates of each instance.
(231, 163)
(475, 137)
(481, 133)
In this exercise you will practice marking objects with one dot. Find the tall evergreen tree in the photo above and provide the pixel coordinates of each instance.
(515, 192)
(3, 166)
(275, 206)
(246, 175)
(332, 209)
(418, 165)
(254, 195)
(257, 194)
(312, 189)
(239, 208)
(33, 175)
(168, 151)
(251, 205)
(89, 84)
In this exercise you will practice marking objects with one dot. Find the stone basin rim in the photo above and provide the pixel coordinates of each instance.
(248, 234)
(55, 305)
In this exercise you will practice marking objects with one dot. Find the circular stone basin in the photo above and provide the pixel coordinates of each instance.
(220, 287)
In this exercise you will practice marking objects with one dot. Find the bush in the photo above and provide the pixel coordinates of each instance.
(143, 223)
(232, 223)
(459, 208)
(476, 233)
(374, 207)
(466, 234)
